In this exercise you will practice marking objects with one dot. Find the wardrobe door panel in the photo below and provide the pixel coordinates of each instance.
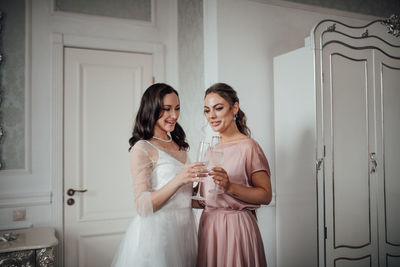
(350, 200)
(393, 261)
(345, 262)
(351, 220)
(391, 151)
(388, 157)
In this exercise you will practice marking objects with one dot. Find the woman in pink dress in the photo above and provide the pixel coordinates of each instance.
(228, 232)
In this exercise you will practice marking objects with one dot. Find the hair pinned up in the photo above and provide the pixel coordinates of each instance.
(229, 94)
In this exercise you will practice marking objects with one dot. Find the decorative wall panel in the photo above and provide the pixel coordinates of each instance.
(126, 9)
(12, 82)
(191, 68)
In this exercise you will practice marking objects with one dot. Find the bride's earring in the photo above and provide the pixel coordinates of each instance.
(234, 117)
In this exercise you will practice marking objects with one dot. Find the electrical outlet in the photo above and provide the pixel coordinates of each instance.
(19, 215)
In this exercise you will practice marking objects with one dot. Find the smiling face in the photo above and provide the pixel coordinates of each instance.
(169, 115)
(219, 112)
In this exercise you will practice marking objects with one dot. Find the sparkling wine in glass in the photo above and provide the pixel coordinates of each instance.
(202, 156)
(216, 159)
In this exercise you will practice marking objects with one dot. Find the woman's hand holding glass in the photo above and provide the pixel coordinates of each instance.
(193, 172)
(202, 156)
(221, 178)
(216, 159)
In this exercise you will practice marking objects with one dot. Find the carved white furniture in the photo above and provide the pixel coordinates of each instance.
(32, 247)
(337, 130)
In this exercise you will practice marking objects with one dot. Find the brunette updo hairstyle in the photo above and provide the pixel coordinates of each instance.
(150, 110)
(230, 95)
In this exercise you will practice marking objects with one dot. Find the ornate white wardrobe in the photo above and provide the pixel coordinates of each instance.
(337, 131)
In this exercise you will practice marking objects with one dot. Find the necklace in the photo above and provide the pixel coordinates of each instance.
(163, 140)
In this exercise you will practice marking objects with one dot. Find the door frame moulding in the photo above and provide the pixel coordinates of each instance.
(59, 42)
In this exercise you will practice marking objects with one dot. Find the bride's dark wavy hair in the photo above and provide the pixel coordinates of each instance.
(229, 94)
(150, 111)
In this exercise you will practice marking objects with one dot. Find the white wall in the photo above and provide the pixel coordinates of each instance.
(31, 189)
(249, 35)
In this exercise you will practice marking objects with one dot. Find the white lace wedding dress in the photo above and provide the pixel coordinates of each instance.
(166, 237)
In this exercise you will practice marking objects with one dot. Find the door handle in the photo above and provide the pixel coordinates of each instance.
(72, 191)
(373, 162)
(319, 163)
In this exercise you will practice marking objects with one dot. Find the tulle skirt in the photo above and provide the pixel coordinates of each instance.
(229, 238)
(167, 238)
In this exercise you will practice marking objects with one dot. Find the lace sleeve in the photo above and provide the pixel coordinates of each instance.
(142, 163)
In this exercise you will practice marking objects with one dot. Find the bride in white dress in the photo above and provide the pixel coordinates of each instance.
(163, 233)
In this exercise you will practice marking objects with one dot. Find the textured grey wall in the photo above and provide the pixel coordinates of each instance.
(379, 8)
(126, 9)
(191, 69)
(12, 82)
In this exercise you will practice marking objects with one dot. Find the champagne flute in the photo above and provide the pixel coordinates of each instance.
(216, 159)
(204, 148)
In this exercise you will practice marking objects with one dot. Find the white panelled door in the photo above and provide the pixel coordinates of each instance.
(102, 91)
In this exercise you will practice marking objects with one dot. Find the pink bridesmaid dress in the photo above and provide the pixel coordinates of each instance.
(228, 232)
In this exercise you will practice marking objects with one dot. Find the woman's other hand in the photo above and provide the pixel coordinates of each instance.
(221, 178)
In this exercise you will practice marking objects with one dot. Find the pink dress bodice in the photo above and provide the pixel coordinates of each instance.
(241, 159)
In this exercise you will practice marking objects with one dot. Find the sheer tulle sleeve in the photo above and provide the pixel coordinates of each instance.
(142, 163)
(256, 160)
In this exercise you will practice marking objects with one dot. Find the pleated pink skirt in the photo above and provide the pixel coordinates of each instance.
(229, 238)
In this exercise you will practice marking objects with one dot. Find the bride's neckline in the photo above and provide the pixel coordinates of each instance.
(168, 151)
(162, 148)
